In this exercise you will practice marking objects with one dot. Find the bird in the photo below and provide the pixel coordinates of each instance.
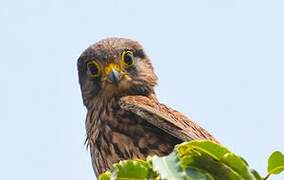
(125, 119)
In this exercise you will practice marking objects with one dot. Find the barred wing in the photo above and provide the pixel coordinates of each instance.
(165, 118)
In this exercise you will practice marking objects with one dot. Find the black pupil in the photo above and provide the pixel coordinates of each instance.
(94, 69)
(128, 59)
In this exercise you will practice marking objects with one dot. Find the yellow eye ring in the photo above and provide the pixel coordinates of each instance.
(94, 69)
(127, 58)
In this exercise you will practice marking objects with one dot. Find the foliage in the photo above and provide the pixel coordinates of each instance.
(201, 160)
(275, 163)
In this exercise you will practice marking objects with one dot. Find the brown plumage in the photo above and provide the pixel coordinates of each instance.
(124, 119)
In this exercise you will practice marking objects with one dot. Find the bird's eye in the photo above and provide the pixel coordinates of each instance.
(94, 68)
(127, 58)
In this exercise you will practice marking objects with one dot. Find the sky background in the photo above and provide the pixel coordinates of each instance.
(219, 61)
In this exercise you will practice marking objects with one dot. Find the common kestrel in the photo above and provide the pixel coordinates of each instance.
(125, 120)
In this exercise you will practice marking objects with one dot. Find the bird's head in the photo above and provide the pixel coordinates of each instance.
(114, 67)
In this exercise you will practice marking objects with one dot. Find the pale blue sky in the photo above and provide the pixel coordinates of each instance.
(220, 62)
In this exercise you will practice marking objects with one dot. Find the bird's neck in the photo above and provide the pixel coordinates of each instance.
(105, 115)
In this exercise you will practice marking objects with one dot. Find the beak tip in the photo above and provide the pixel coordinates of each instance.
(114, 77)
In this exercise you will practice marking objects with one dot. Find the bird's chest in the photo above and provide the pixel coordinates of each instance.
(124, 135)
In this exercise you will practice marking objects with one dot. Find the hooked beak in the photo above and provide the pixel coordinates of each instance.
(114, 76)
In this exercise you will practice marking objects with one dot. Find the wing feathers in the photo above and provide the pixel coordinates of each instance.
(165, 118)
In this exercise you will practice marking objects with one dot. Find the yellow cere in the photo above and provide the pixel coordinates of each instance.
(111, 66)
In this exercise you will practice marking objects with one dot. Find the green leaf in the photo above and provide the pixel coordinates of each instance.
(237, 165)
(256, 175)
(105, 176)
(197, 174)
(168, 167)
(275, 163)
(201, 153)
(208, 147)
(215, 168)
(131, 170)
